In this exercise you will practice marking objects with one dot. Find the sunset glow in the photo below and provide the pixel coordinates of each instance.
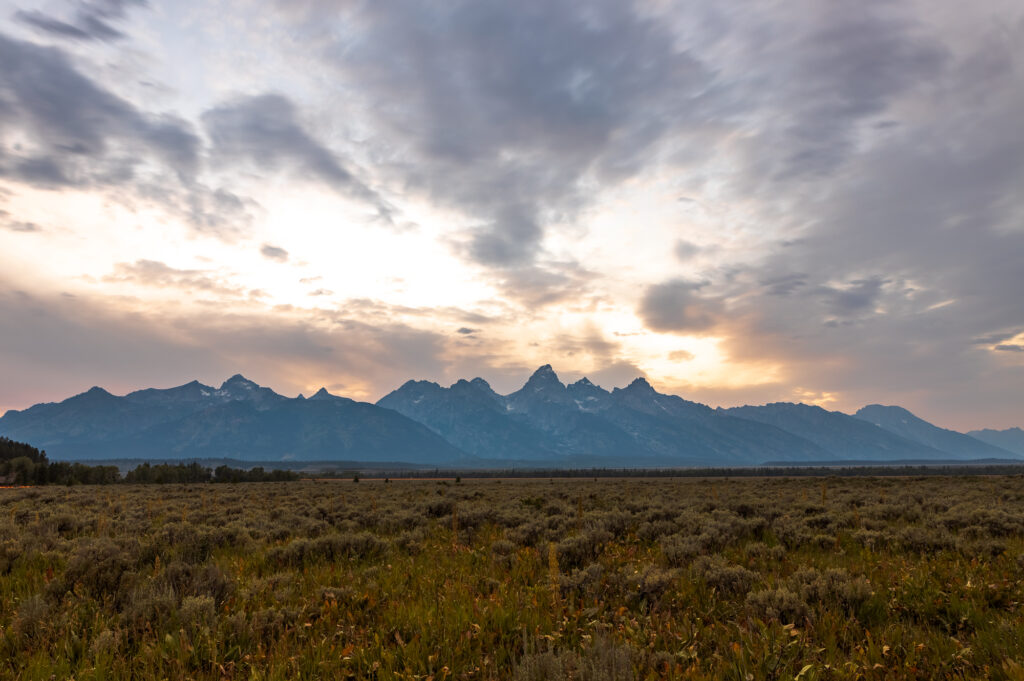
(293, 192)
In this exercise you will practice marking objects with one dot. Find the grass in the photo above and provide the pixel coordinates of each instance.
(852, 578)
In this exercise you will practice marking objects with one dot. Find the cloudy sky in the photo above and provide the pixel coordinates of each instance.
(816, 200)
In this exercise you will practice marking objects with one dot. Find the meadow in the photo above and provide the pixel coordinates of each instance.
(589, 579)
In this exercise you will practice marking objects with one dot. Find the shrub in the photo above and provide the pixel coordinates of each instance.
(651, 584)
(776, 604)
(719, 574)
(833, 587)
(602, 660)
(30, 622)
(574, 552)
(149, 606)
(679, 550)
(197, 613)
(583, 581)
(925, 540)
(102, 568)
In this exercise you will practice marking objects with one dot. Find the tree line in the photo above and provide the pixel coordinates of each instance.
(23, 464)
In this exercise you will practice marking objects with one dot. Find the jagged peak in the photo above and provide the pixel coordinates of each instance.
(586, 386)
(321, 394)
(640, 384)
(544, 370)
(544, 379)
(544, 374)
(480, 383)
(413, 383)
(238, 380)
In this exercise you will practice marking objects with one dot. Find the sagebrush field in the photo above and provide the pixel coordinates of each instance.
(853, 578)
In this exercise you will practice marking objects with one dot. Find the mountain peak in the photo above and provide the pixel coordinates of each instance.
(96, 391)
(544, 374)
(238, 380)
(640, 384)
(480, 383)
(321, 394)
(543, 379)
(585, 386)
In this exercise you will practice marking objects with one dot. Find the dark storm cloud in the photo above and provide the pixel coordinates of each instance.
(512, 239)
(502, 109)
(822, 70)
(78, 134)
(274, 253)
(895, 162)
(81, 134)
(678, 306)
(264, 130)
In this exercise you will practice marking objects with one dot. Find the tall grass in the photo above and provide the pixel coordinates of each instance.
(526, 579)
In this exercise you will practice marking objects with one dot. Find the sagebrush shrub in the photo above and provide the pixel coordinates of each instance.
(719, 574)
(776, 604)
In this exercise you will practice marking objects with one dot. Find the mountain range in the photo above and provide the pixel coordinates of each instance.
(546, 423)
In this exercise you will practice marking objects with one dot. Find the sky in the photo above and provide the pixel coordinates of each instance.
(744, 202)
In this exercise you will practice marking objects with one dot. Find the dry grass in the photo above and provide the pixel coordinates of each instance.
(531, 579)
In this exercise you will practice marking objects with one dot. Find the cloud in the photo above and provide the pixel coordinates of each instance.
(91, 20)
(684, 250)
(868, 156)
(1005, 347)
(821, 75)
(681, 356)
(513, 238)
(784, 284)
(511, 112)
(616, 374)
(676, 305)
(543, 284)
(274, 253)
(19, 225)
(856, 296)
(53, 346)
(80, 133)
(55, 27)
(73, 133)
(264, 130)
(466, 331)
(160, 275)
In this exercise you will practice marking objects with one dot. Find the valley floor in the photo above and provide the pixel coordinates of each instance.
(851, 578)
